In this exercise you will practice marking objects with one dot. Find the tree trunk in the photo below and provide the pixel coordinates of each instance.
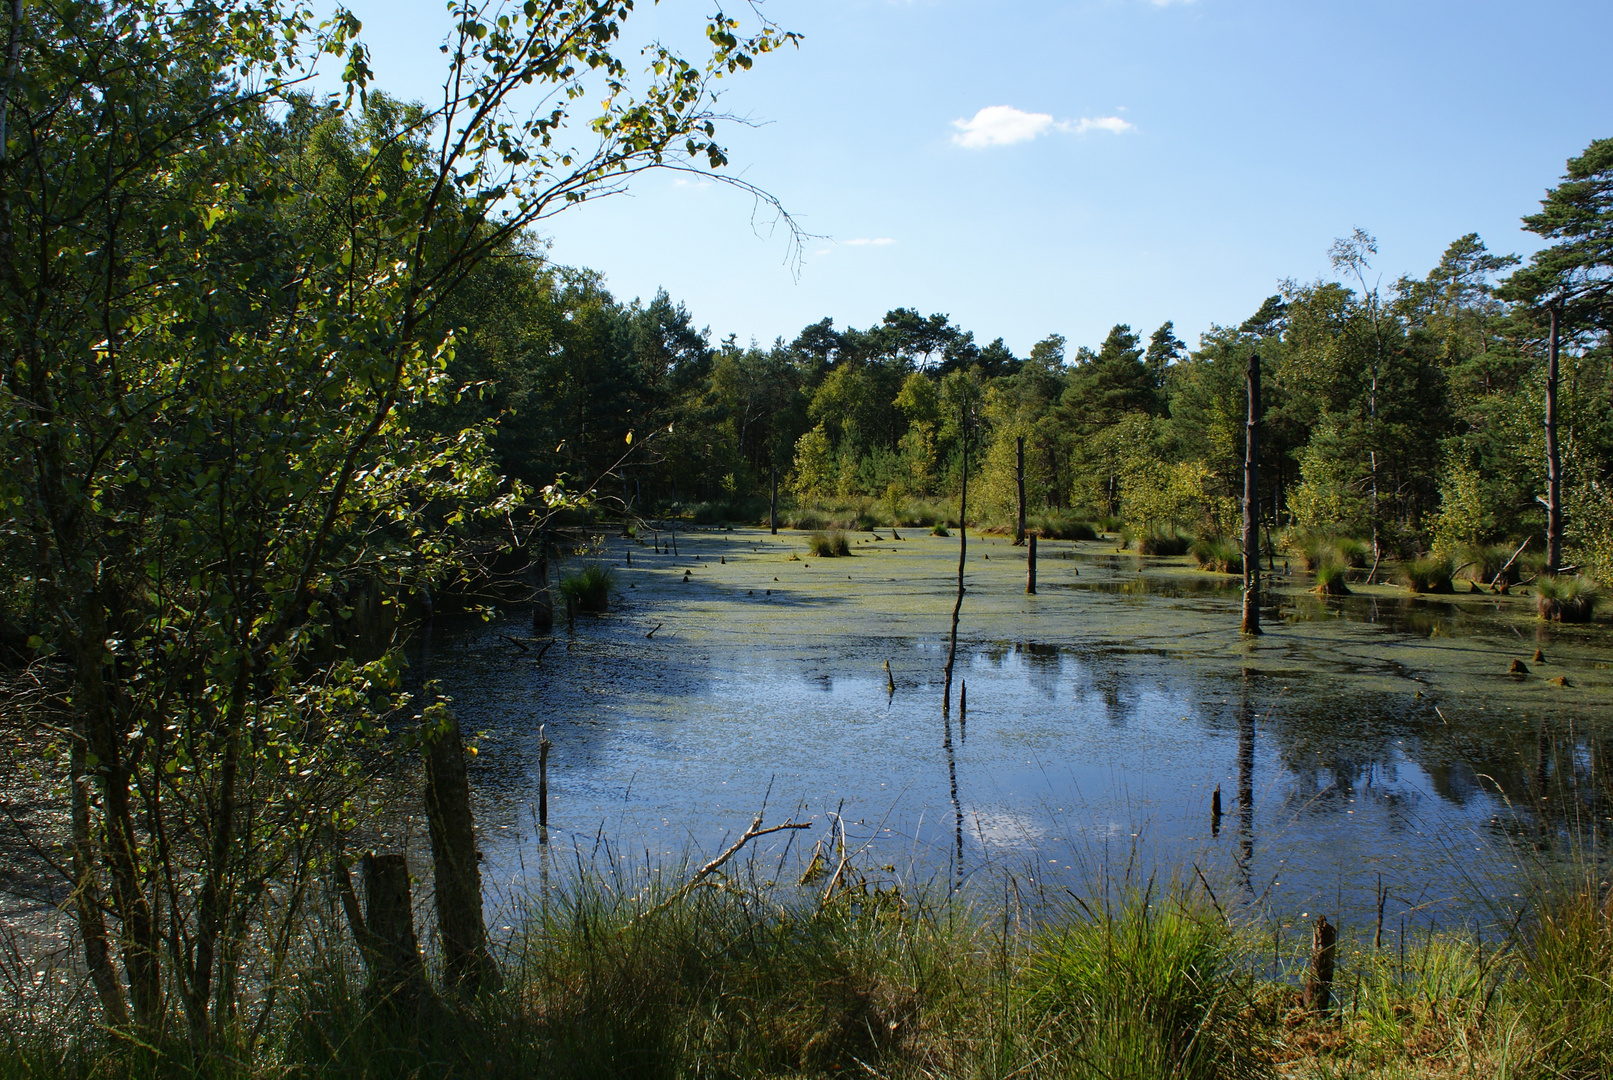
(1019, 478)
(466, 962)
(1251, 504)
(772, 506)
(1554, 461)
(1030, 565)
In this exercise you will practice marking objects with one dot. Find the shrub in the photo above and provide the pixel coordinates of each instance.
(1221, 554)
(1171, 541)
(1330, 579)
(827, 545)
(939, 529)
(1427, 575)
(1567, 599)
(589, 588)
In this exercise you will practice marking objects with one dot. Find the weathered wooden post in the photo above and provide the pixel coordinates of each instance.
(458, 880)
(772, 506)
(1251, 504)
(1030, 565)
(1319, 978)
(1019, 478)
(543, 786)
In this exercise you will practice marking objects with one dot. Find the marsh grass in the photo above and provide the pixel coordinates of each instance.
(627, 976)
(1314, 547)
(590, 587)
(827, 545)
(1567, 599)
(1431, 574)
(1221, 554)
(1060, 525)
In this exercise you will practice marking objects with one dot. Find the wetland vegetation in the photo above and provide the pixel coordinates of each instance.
(305, 431)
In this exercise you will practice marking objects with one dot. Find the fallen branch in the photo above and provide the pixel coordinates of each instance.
(518, 644)
(755, 831)
(652, 632)
(538, 659)
(1510, 561)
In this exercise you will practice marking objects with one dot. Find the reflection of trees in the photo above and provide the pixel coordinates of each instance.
(1343, 748)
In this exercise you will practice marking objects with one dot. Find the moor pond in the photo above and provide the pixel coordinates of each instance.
(1374, 738)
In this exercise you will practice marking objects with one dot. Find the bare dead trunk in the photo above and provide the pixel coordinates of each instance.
(963, 551)
(772, 506)
(1019, 478)
(1251, 504)
(1554, 461)
(1030, 565)
(467, 964)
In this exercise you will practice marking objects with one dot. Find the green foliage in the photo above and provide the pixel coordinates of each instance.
(1460, 523)
(826, 545)
(1060, 525)
(1567, 599)
(590, 587)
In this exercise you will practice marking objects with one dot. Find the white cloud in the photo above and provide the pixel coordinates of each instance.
(1004, 125)
(1000, 125)
(1098, 123)
(863, 241)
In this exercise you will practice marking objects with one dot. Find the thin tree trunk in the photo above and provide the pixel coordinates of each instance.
(1030, 565)
(772, 506)
(1019, 477)
(1554, 461)
(963, 551)
(1251, 504)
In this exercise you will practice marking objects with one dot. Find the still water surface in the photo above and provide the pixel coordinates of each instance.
(1375, 739)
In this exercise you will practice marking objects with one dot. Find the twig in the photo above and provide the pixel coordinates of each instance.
(652, 632)
(518, 644)
(714, 865)
(538, 659)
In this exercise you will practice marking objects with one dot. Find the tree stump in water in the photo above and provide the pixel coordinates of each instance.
(1318, 996)
(466, 961)
(386, 935)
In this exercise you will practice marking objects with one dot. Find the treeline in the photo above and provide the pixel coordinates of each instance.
(1412, 415)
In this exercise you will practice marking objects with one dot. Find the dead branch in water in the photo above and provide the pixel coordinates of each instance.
(754, 832)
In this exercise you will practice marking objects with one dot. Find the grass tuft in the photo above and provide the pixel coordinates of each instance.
(1172, 541)
(1431, 574)
(1567, 599)
(1221, 554)
(827, 545)
(590, 587)
(1330, 579)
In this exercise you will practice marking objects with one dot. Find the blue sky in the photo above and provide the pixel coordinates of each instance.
(1136, 160)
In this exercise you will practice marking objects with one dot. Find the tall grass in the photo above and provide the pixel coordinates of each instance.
(1330, 579)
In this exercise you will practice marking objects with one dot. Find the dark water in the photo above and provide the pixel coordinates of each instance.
(1377, 738)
